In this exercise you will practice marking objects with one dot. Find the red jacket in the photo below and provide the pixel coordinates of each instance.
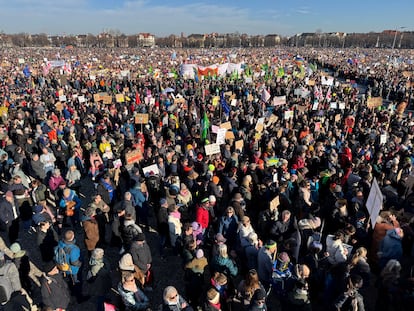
(202, 217)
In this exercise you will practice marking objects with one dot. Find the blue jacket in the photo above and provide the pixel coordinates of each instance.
(72, 255)
(391, 247)
(138, 196)
(224, 265)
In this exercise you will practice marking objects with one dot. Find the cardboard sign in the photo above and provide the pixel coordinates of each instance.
(106, 99)
(383, 139)
(226, 125)
(62, 98)
(179, 101)
(59, 106)
(337, 118)
(212, 149)
(407, 74)
(96, 98)
(141, 118)
(311, 82)
(133, 156)
(374, 102)
(238, 144)
(233, 102)
(119, 98)
(230, 135)
(250, 98)
(260, 125)
(274, 204)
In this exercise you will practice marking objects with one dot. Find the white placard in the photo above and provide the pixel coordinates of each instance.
(62, 98)
(221, 136)
(21, 60)
(233, 102)
(92, 77)
(315, 105)
(214, 129)
(333, 105)
(374, 202)
(212, 149)
(327, 81)
(341, 105)
(288, 114)
(383, 139)
(151, 168)
(81, 99)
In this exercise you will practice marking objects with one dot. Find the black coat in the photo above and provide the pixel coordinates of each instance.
(55, 294)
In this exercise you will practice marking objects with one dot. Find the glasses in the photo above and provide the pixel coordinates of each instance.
(173, 297)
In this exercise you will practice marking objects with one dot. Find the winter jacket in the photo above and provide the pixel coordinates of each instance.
(336, 250)
(202, 217)
(130, 230)
(174, 225)
(73, 255)
(390, 247)
(6, 211)
(264, 266)
(55, 292)
(141, 255)
(133, 301)
(91, 233)
(224, 265)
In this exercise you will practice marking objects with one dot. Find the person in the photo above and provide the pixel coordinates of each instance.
(251, 250)
(101, 209)
(265, 259)
(298, 298)
(91, 229)
(72, 253)
(222, 262)
(126, 265)
(202, 214)
(389, 287)
(129, 231)
(174, 223)
(9, 216)
(141, 255)
(47, 240)
(228, 226)
(194, 276)
(54, 289)
(132, 296)
(212, 300)
(351, 299)
(70, 205)
(336, 249)
(173, 301)
(258, 301)
(10, 281)
(391, 246)
(21, 260)
(163, 227)
(360, 266)
(247, 288)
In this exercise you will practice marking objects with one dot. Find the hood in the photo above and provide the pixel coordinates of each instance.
(392, 233)
(128, 222)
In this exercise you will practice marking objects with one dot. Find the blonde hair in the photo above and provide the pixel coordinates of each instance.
(360, 252)
(222, 250)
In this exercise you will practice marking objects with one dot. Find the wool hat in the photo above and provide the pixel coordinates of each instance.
(212, 198)
(126, 263)
(37, 208)
(163, 201)
(139, 237)
(259, 294)
(97, 253)
(216, 180)
(237, 196)
(49, 266)
(17, 250)
(204, 200)
(220, 238)
(199, 253)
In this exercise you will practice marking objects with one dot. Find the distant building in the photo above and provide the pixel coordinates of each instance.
(146, 40)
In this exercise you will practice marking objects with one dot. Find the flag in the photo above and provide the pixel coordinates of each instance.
(67, 67)
(299, 61)
(196, 74)
(224, 104)
(328, 95)
(281, 72)
(205, 124)
(150, 69)
(26, 71)
(137, 98)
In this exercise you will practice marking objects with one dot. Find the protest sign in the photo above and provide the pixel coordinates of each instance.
(81, 99)
(119, 98)
(374, 202)
(133, 156)
(62, 98)
(288, 114)
(230, 135)
(374, 102)
(238, 144)
(212, 149)
(221, 136)
(226, 125)
(279, 100)
(148, 170)
(141, 118)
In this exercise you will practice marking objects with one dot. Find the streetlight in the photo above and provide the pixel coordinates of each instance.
(395, 36)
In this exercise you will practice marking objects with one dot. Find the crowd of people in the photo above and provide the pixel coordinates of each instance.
(259, 178)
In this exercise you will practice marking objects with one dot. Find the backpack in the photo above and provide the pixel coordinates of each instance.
(6, 287)
(61, 259)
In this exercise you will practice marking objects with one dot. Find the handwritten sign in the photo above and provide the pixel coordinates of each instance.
(119, 98)
(133, 156)
(374, 102)
(212, 149)
(238, 144)
(226, 125)
(141, 118)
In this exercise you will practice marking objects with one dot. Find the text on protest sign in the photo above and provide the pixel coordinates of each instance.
(212, 149)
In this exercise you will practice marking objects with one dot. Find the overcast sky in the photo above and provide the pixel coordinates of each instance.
(167, 17)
